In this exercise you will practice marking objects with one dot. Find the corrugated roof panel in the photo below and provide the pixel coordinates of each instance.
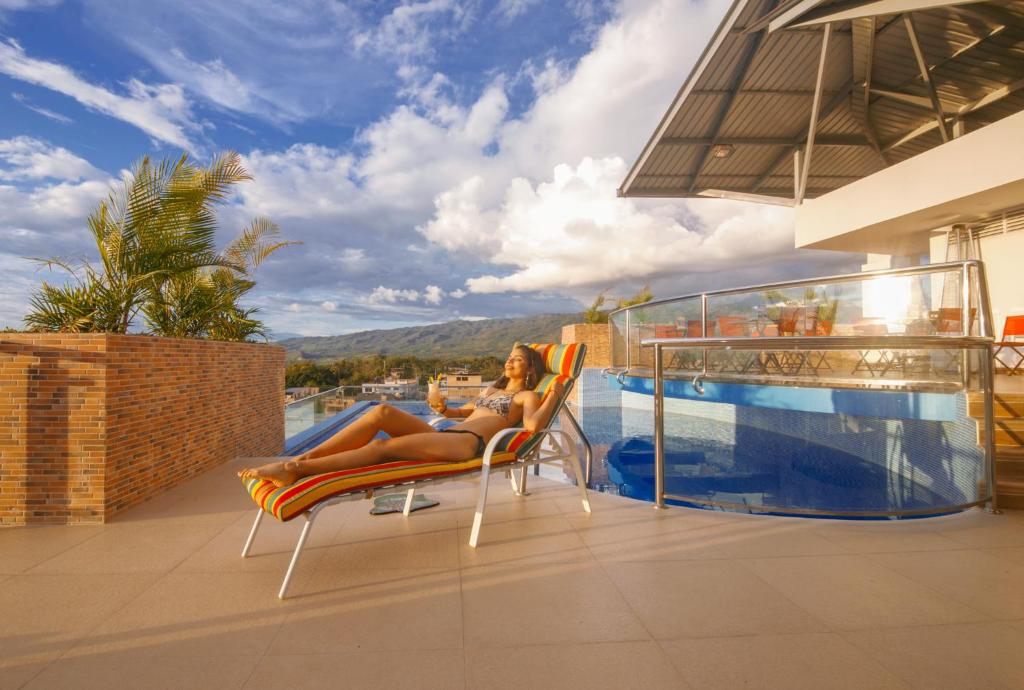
(772, 100)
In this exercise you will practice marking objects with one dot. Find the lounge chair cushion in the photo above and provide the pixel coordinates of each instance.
(563, 362)
(291, 501)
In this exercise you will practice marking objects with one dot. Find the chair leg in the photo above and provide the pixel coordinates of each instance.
(408, 502)
(295, 556)
(481, 503)
(522, 480)
(581, 482)
(252, 533)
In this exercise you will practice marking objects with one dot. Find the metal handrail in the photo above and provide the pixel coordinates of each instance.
(819, 342)
(317, 395)
(840, 278)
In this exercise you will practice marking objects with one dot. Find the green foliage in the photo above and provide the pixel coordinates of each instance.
(155, 239)
(357, 370)
(645, 295)
(593, 314)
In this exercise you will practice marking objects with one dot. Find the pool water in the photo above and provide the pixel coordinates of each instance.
(780, 462)
(773, 468)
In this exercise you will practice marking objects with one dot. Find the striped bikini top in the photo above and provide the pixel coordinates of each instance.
(496, 403)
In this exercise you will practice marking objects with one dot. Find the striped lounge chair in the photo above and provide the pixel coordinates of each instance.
(509, 450)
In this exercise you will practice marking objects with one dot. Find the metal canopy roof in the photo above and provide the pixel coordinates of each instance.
(740, 125)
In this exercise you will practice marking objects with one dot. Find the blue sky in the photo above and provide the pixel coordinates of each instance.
(437, 159)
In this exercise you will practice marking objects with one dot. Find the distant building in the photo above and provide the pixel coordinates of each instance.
(299, 392)
(460, 384)
(393, 386)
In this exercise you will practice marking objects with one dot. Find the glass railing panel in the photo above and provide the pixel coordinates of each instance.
(873, 366)
(833, 451)
(617, 323)
(672, 319)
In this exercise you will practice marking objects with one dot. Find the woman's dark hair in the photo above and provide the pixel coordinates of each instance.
(535, 369)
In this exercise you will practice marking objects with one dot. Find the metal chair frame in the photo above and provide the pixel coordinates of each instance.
(561, 448)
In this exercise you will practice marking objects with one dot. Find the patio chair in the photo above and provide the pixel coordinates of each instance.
(509, 449)
(1013, 341)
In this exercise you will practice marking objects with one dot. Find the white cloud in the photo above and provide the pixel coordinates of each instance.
(457, 294)
(305, 180)
(384, 295)
(25, 158)
(572, 232)
(161, 111)
(432, 294)
(56, 117)
(295, 307)
(328, 305)
(510, 9)
(413, 29)
(27, 4)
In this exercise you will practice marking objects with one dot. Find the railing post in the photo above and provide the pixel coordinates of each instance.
(659, 429)
(704, 331)
(965, 323)
(629, 335)
(988, 384)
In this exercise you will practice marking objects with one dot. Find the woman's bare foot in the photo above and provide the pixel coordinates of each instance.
(280, 473)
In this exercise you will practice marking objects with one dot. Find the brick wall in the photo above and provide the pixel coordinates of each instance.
(597, 338)
(93, 424)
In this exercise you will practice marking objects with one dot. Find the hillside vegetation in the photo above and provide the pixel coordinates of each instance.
(454, 339)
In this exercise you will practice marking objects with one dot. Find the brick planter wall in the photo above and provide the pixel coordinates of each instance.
(597, 337)
(93, 424)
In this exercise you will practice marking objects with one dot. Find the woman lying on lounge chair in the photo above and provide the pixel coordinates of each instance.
(508, 402)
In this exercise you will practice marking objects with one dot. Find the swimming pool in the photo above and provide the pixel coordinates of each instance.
(766, 460)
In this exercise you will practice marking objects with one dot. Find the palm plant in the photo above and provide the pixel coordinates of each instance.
(155, 238)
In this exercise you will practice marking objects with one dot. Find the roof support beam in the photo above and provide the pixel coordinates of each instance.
(830, 107)
(913, 100)
(812, 127)
(753, 43)
(908, 21)
(987, 99)
(861, 9)
(863, 49)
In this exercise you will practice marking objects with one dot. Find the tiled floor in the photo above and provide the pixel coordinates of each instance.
(625, 597)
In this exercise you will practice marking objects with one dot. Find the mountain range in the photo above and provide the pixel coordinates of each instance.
(451, 339)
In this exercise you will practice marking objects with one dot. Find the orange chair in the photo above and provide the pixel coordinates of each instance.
(1013, 341)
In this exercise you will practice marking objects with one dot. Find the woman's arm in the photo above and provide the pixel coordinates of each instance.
(537, 412)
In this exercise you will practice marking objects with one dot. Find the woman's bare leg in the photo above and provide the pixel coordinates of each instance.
(431, 446)
(391, 420)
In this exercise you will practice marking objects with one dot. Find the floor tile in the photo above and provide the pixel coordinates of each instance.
(980, 655)
(271, 550)
(388, 609)
(430, 549)
(193, 613)
(772, 536)
(598, 666)
(706, 599)
(979, 529)
(852, 592)
(144, 546)
(25, 547)
(886, 538)
(782, 662)
(442, 669)
(983, 581)
(45, 615)
(154, 671)
(554, 603)
(523, 507)
(530, 540)
(643, 534)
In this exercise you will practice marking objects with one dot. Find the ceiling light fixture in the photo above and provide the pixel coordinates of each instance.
(722, 150)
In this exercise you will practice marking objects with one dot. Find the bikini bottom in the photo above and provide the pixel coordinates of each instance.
(480, 443)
